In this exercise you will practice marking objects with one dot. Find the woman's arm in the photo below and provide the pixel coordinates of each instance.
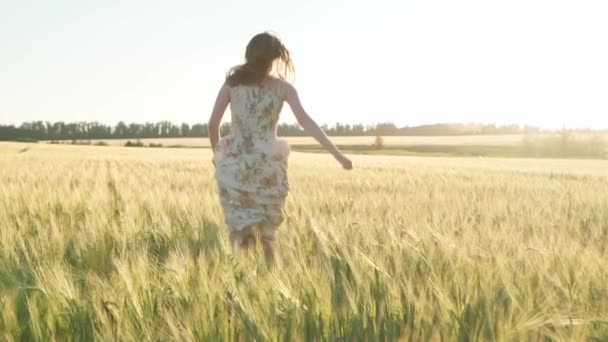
(311, 127)
(221, 103)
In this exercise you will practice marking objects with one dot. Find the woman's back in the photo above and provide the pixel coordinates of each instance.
(256, 109)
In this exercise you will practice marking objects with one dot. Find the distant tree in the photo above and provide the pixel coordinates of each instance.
(378, 142)
(290, 130)
(61, 131)
(386, 128)
(135, 130)
(185, 130)
(530, 129)
(165, 129)
(121, 130)
(137, 143)
(358, 129)
(174, 131)
(199, 130)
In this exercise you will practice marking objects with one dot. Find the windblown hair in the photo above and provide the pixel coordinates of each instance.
(264, 52)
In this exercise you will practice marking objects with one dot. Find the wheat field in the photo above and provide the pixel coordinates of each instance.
(486, 140)
(112, 243)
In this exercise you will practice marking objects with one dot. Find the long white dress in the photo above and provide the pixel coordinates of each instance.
(251, 163)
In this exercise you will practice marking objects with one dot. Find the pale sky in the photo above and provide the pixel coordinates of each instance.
(539, 62)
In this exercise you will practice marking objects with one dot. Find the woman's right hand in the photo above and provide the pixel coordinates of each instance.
(347, 164)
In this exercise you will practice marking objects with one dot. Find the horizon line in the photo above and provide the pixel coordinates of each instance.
(333, 124)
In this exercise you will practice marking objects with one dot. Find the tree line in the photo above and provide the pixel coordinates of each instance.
(39, 130)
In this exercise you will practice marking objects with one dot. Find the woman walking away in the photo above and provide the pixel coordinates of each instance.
(250, 162)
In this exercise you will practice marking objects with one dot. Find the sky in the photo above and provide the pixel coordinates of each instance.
(411, 62)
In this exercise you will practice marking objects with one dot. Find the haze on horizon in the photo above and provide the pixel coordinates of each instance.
(536, 62)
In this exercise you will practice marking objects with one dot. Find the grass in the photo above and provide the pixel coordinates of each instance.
(109, 243)
(522, 146)
(552, 150)
(423, 150)
(491, 140)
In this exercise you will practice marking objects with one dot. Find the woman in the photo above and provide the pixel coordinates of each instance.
(251, 163)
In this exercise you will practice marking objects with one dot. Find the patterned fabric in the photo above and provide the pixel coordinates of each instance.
(251, 163)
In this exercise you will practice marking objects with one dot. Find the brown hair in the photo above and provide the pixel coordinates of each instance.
(264, 51)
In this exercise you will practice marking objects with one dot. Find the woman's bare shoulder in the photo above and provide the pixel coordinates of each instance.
(282, 87)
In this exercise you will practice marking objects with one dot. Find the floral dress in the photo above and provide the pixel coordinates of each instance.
(250, 162)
